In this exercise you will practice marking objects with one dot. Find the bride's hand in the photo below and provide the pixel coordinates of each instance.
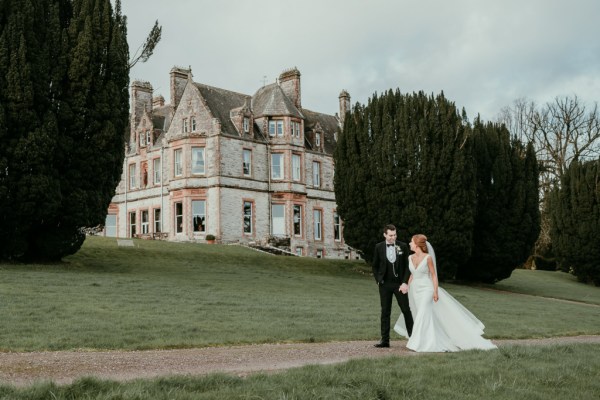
(435, 297)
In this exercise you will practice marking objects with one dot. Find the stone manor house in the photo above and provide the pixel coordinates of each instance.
(246, 169)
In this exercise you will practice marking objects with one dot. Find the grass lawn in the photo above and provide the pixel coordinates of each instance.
(173, 295)
(556, 284)
(515, 372)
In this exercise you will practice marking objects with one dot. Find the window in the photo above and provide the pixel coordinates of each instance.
(337, 227)
(142, 139)
(145, 222)
(199, 215)
(246, 124)
(156, 169)
(295, 129)
(148, 138)
(277, 166)
(144, 169)
(317, 224)
(278, 219)
(178, 217)
(193, 124)
(271, 128)
(178, 163)
(197, 160)
(319, 253)
(318, 140)
(132, 230)
(316, 174)
(299, 251)
(185, 125)
(157, 224)
(247, 162)
(276, 127)
(297, 222)
(110, 225)
(296, 171)
(132, 180)
(247, 217)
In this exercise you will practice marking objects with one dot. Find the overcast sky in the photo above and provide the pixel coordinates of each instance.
(483, 54)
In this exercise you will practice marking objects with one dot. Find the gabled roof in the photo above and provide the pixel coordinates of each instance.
(329, 125)
(270, 100)
(220, 102)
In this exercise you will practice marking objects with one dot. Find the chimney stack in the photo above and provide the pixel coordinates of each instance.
(179, 78)
(344, 106)
(289, 81)
(141, 100)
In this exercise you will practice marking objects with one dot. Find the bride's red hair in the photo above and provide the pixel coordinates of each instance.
(421, 242)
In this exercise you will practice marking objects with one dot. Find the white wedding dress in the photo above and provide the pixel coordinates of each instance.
(445, 325)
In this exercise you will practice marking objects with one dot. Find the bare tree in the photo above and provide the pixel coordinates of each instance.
(562, 131)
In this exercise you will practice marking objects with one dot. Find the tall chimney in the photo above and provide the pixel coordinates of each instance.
(344, 105)
(289, 81)
(141, 100)
(179, 78)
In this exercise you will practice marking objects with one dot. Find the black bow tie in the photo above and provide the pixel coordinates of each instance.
(390, 245)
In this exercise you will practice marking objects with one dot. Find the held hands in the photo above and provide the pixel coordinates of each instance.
(404, 288)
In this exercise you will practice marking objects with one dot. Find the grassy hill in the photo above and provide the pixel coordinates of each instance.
(169, 295)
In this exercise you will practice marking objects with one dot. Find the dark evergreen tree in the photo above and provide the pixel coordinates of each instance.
(507, 221)
(574, 209)
(63, 113)
(406, 160)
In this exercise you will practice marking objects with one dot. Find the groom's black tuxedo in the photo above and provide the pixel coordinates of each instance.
(389, 276)
(383, 269)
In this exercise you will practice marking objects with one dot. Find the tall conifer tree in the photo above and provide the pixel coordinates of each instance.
(415, 171)
(575, 221)
(63, 113)
(507, 221)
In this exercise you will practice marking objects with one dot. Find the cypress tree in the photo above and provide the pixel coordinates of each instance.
(415, 171)
(507, 214)
(574, 209)
(65, 110)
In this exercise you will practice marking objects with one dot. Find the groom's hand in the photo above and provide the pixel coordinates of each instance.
(404, 288)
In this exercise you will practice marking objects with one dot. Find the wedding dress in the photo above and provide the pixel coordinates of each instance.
(445, 325)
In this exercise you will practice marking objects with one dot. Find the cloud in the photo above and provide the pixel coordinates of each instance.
(483, 55)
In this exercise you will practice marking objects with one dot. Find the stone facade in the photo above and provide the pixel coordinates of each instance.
(243, 168)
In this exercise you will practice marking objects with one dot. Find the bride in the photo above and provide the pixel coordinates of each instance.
(441, 322)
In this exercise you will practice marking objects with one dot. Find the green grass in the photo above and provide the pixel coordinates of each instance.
(514, 372)
(557, 284)
(173, 295)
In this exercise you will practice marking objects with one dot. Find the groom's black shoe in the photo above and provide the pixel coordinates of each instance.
(382, 344)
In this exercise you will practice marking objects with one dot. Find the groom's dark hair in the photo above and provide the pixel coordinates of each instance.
(389, 227)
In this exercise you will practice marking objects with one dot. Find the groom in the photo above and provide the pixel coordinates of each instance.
(391, 272)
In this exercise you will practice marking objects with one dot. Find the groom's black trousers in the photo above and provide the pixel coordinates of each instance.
(386, 293)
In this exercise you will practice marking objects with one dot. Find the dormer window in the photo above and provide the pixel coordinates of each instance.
(193, 124)
(148, 138)
(246, 124)
(142, 139)
(185, 125)
(318, 139)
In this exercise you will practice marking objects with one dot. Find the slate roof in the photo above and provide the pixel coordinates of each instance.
(270, 100)
(220, 102)
(328, 123)
(161, 117)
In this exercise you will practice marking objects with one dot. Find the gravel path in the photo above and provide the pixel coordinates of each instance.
(64, 367)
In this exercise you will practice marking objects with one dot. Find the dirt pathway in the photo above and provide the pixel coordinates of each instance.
(64, 367)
